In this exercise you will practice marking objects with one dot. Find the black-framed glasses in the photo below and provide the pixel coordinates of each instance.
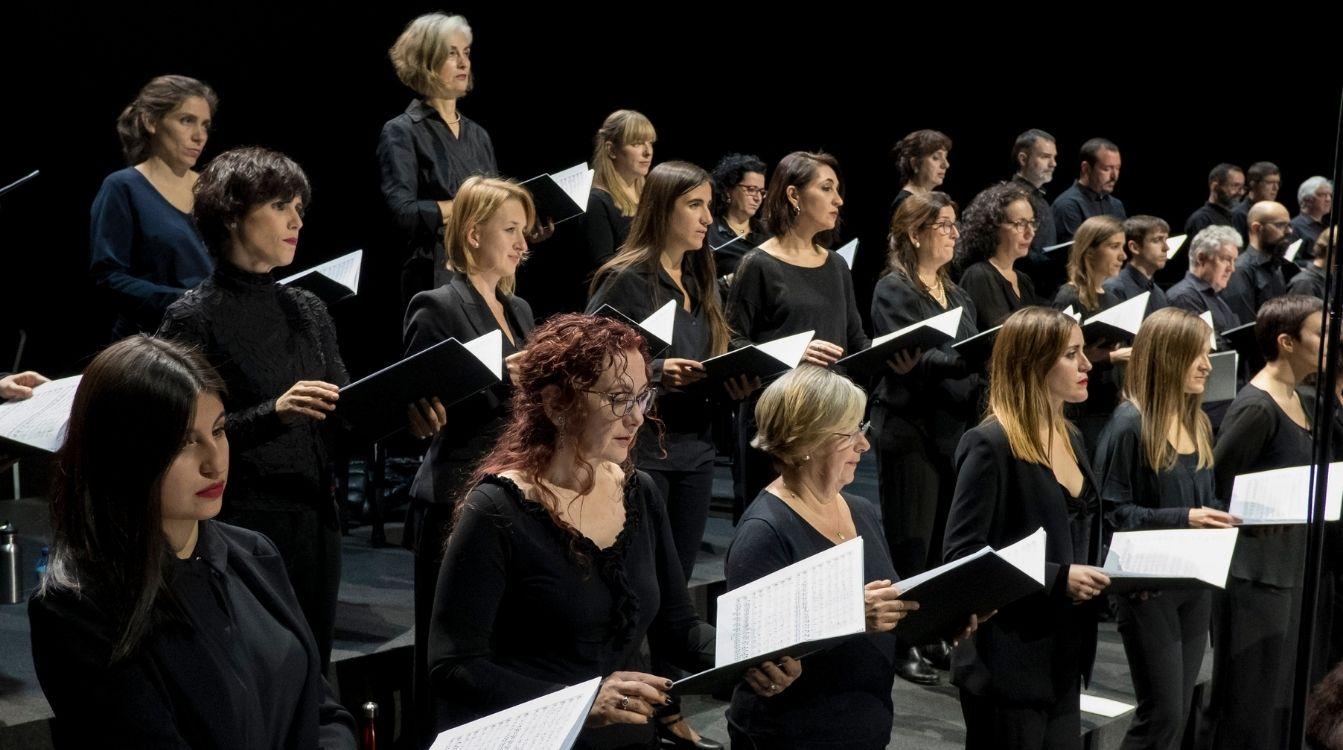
(752, 190)
(864, 429)
(1021, 224)
(621, 404)
(946, 228)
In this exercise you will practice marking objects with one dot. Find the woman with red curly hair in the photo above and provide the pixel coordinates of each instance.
(561, 559)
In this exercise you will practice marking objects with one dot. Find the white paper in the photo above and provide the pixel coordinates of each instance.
(948, 322)
(1204, 554)
(1283, 496)
(1026, 555)
(847, 251)
(1126, 315)
(1292, 250)
(489, 349)
(551, 722)
(1173, 245)
(1059, 246)
(789, 349)
(1206, 317)
(1094, 704)
(812, 599)
(662, 323)
(40, 421)
(1077, 316)
(576, 182)
(343, 270)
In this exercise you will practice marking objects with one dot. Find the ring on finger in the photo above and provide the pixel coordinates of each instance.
(624, 703)
(772, 687)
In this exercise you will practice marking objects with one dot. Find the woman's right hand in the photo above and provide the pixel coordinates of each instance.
(883, 606)
(1211, 518)
(1086, 582)
(307, 399)
(822, 353)
(628, 698)
(678, 373)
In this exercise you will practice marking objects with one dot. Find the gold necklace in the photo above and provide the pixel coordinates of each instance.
(837, 525)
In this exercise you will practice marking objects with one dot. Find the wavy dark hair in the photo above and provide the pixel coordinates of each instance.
(132, 411)
(237, 180)
(916, 214)
(568, 351)
(727, 175)
(979, 223)
(158, 98)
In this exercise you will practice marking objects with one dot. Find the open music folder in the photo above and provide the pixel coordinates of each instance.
(449, 370)
(563, 195)
(1119, 323)
(798, 610)
(923, 335)
(657, 329)
(332, 281)
(847, 251)
(976, 584)
(39, 422)
(763, 361)
(1169, 558)
(551, 722)
(1283, 496)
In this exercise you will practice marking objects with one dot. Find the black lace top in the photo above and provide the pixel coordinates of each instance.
(525, 606)
(262, 338)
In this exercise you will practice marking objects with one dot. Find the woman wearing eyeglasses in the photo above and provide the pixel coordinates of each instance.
(738, 194)
(919, 415)
(561, 560)
(998, 228)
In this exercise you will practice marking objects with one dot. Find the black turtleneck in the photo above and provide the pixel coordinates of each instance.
(262, 338)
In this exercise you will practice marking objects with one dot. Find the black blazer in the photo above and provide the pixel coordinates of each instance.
(1031, 653)
(167, 695)
(457, 310)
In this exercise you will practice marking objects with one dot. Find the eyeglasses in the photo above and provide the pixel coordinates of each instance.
(851, 438)
(752, 190)
(946, 228)
(621, 404)
(1021, 224)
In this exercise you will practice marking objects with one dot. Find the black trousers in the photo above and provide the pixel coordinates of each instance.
(432, 523)
(752, 469)
(1164, 638)
(688, 495)
(1254, 655)
(990, 725)
(916, 483)
(309, 544)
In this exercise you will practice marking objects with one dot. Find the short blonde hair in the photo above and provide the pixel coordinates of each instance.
(800, 410)
(477, 200)
(421, 50)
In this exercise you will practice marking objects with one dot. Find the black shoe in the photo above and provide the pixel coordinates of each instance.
(668, 739)
(938, 655)
(913, 667)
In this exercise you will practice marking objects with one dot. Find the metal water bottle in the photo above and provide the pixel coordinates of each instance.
(11, 578)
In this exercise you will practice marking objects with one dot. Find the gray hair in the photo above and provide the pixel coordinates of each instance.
(1210, 240)
(422, 48)
(1309, 187)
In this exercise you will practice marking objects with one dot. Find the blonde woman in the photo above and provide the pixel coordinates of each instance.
(1022, 469)
(426, 152)
(622, 154)
(1155, 464)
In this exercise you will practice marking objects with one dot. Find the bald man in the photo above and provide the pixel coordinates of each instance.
(1258, 277)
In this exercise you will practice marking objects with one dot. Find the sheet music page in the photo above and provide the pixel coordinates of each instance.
(1028, 555)
(1204, 554)
(40, 421)
(489, 349)
(1173, 245)
(1282, 496)
(343, 270)
(819, 597)
(551, 722)
(576, 182)
(847, 251)
(1126, 315)
(662, 323)
(789, 349)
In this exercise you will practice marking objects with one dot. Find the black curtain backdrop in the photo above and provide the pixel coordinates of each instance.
(315, 83)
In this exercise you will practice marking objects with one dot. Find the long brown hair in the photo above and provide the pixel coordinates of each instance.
(1081, 257)
(648, 234)
(1167, 344)
(915, 214)
(1031, 340)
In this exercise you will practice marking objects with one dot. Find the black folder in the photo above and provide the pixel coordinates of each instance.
(1097, 327)
(750, 360)
(1128, 583)
(1242, 339)
(376, 405)
(872, 360)
(721, 679)
(977, 349)
(656, 344)
(744, 246)
(552, 203)
(326, 288)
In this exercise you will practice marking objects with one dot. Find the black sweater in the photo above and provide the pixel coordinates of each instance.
(993, 296)
(771, 299)
(1136, 496)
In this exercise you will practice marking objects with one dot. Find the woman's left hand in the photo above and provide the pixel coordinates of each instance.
(542, 232)
(20, 385)
(883, 606)
(427, 417)
(513, 364)
(771, 678)
(1122, 354)
(739, 387)
(904, 361)
(971, 627)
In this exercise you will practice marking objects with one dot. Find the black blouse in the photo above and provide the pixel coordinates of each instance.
(516, 617)
(1257, 435)
(843, 698)
(771, 298)
(993, 296)
(606, 227)
(729, 257)
(262, 338)
(687, 415)
(1136, 495)
(940, 396)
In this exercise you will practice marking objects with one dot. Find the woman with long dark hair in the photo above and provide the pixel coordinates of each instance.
(156, 626)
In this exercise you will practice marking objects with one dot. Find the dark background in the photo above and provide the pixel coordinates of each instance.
(315, 83)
